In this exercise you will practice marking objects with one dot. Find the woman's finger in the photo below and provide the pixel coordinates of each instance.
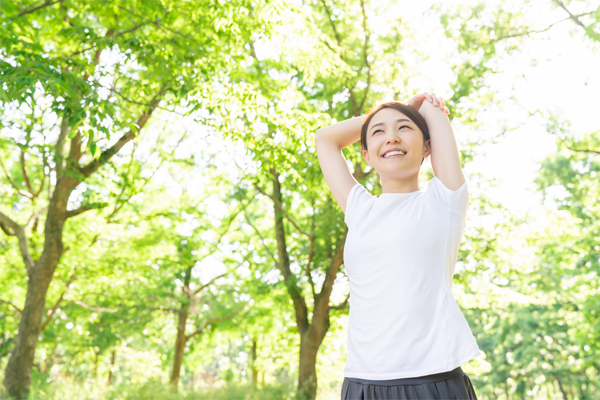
(441, 103)
(435, 100)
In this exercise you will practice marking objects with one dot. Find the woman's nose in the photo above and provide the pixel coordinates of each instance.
(393, 139)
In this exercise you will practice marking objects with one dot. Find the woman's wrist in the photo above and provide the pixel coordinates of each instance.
(429, 110)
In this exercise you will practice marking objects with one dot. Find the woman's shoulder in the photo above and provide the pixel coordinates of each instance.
(455, 200)
(358, 199)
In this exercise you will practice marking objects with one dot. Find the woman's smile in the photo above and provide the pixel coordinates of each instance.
(393, 154)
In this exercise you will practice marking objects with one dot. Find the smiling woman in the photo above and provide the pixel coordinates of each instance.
(395, 142)
(407, 337)
(414, 118)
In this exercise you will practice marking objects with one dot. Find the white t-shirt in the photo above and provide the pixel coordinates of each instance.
(400, 255)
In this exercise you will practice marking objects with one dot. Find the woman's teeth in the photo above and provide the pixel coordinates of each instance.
(393, 153)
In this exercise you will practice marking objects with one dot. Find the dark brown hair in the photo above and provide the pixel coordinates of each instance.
(405, 109)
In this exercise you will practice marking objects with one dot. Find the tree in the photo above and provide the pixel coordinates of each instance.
(199, 305)
(75, 74)
(529, 333)
(306, 240)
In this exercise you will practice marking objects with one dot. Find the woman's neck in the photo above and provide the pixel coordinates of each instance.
(400, 185)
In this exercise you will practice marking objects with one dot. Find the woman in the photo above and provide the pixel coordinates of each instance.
(407, 337)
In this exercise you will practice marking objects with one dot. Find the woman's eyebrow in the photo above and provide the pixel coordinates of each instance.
(398, 120)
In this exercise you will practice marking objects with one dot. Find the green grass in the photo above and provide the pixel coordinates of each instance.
(154, 390)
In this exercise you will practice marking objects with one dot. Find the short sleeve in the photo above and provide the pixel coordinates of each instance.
(357, 199)
(457, 201)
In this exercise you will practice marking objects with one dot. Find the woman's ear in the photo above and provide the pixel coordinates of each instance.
(366, 156)
(427, 148)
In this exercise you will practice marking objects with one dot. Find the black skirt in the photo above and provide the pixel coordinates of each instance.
(453, 384)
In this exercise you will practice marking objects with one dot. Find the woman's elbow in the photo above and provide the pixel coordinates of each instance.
(318, 135)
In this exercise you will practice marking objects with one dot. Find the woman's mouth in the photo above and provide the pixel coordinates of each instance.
(394, 154)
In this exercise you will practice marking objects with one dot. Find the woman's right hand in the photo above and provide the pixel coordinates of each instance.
(418, 100)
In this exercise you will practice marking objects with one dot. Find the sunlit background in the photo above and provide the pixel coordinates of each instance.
(171, 282)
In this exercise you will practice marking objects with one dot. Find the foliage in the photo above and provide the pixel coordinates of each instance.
(154, 390)
(188, 85)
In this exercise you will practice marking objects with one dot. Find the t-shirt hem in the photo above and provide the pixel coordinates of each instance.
(414, 374)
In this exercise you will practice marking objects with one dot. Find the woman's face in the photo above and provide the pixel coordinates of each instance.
(395, 145)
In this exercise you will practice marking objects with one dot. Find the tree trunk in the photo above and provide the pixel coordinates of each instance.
(181, 339)
(571, 391)
(17, 376)
(96, 362)
(254, 368)
(307, 373)
(311, 333)
(562, 390)
(18, 370)
(179, 348)
(113, 359)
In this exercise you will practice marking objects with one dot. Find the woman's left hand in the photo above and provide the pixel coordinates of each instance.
(437, 101)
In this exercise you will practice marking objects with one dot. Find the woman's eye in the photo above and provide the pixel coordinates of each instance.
(404, 126)
(378, 130)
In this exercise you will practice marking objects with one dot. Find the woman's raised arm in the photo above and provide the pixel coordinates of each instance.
(329, 142)
(445, 158)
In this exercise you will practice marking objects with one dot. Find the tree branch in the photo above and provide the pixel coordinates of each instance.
(526, 33)
(335, 32)
(342, 305)
(262, 239)
(52, 310)
(225, 230)
(290, 279)
(135, 28)
(209, 283)
(311, 252)
(45, 164)
(334, 267)
(280, 207)
(162, 28)
(110, 152)
(6, 229)
(84, 208)
(583, 150)
(34, 217)
(365, 55)
(322, 302)
(94, 308)
(340, 54)
(48, 3)
(12, 305)
(571, 16)
(358, 173)
(60, 142)
(212, 321)
(19, 232)
(24, 171)
(138, 26)
(75, 148)
(157, 308)
(12, 181)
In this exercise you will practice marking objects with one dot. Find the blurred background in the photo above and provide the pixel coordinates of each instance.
(166, 229)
